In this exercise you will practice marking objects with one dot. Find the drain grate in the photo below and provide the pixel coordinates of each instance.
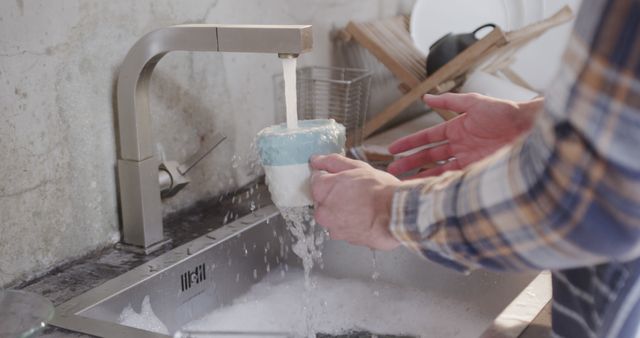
(361, 335)
(210, 334)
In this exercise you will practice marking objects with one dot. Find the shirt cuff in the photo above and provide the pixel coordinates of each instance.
(418, 222)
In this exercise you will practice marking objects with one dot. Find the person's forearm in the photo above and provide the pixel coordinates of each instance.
(537, 204)
(566, 194)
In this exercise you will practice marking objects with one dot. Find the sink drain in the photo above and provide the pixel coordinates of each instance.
(360, 335)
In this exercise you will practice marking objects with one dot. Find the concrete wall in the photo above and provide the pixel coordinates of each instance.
(58, 64)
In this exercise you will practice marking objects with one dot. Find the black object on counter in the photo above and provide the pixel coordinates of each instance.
(450, 45)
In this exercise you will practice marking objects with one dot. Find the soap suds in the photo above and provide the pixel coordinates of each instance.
(338, 306)
(145, 320)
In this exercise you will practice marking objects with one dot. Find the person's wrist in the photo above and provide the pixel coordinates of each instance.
(383, 219)
(387, 198)
(527, 112)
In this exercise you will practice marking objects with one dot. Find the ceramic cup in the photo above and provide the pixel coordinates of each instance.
(285, 153)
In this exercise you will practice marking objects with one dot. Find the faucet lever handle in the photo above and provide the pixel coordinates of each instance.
(204, 150)
(172, 176)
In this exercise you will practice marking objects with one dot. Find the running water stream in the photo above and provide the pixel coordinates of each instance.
(290, 95)
(299, 220)
(308, 246)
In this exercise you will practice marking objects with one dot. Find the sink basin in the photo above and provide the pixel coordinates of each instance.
(213, 270)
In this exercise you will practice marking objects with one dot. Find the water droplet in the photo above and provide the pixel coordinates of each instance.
(375, 276)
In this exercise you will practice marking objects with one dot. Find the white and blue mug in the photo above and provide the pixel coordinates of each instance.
(285, 155)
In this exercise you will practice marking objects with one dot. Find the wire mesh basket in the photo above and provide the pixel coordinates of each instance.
(341, 94)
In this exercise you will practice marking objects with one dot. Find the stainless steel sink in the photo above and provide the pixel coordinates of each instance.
(213, 270)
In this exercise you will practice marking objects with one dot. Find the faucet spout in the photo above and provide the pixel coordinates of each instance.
(135, 72)
(287, 55)
(138, 169)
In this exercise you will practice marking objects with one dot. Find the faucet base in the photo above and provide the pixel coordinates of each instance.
(141, 207)
(141, 250)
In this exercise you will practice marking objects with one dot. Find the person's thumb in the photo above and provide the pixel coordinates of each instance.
(333, 163)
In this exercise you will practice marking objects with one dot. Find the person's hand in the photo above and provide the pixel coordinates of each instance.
(486, 124)
(353, 201)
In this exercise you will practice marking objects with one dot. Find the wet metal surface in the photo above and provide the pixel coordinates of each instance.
(85, 274)
(82, 275)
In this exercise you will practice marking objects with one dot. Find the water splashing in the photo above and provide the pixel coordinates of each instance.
(376, 273)
(309, 237)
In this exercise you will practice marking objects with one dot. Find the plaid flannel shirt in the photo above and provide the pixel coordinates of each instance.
(564, 197)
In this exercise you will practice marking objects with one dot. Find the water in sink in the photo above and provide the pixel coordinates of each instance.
(337, 307)
(145, 320)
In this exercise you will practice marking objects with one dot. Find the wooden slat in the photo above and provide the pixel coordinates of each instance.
(389, 51)
(564, 15)
(517, 79)
(402, 47)
(456, 67)
(416, 61)
(388, 40)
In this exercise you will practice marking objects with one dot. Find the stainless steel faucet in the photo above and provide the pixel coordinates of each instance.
(139, 171)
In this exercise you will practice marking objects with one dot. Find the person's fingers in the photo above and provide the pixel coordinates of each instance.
(321, 217)
(451, 165)
(321, 185)
(458, 103)
(420, 158)
(334, 163)
(421, 138)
